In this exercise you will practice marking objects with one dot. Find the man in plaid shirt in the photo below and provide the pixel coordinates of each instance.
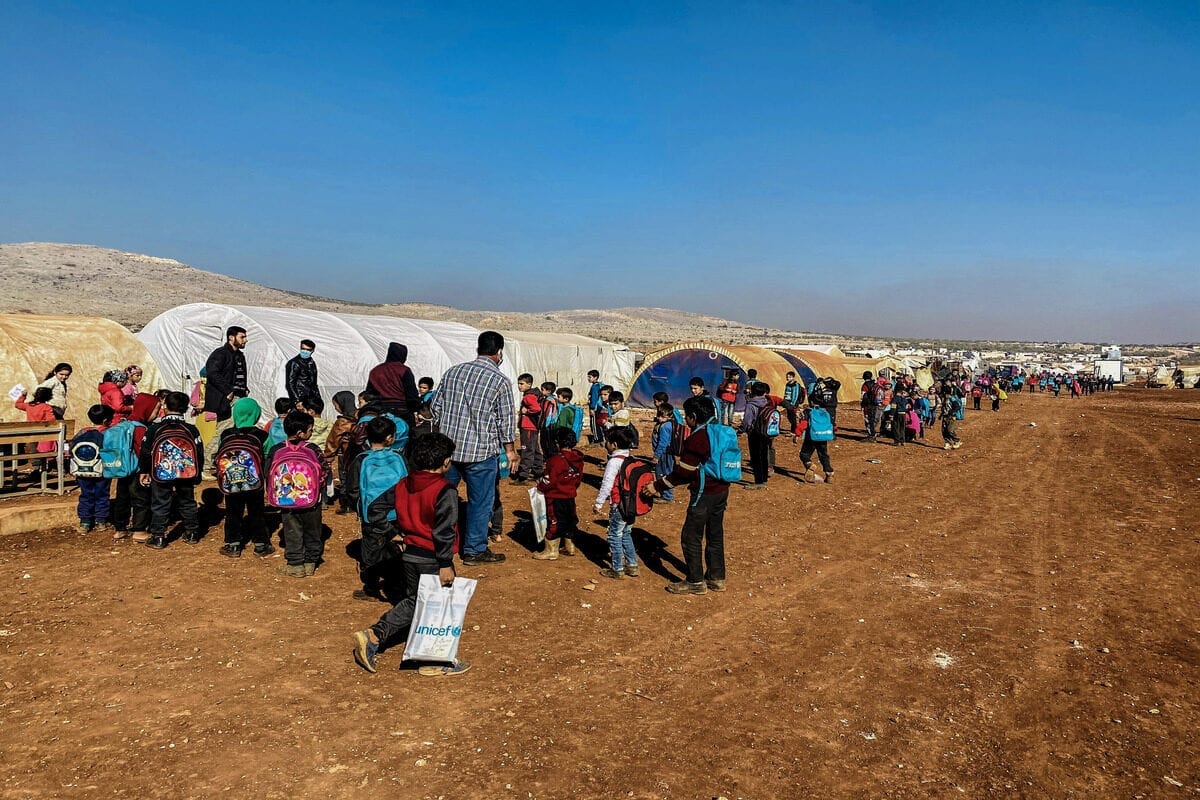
(476, 408)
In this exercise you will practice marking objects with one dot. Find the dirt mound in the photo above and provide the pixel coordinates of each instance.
(1015, 618)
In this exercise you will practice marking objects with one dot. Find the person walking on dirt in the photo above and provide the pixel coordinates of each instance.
(952, 409)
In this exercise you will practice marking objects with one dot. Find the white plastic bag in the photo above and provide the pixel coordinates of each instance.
(438, 619)
(537, 504)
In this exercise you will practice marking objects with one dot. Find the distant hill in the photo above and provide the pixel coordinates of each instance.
(131, 288)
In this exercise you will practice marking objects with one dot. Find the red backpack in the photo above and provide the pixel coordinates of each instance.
(635, 475)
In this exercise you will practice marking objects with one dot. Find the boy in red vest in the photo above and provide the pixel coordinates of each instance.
(564, 473)
(427, 515)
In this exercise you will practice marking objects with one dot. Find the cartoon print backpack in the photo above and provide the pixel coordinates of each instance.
(119, 457)
(173, 454)
(635, 475)
(767, 421)
(820, 426)
(239, 464)
(86, 461)
(294, 477)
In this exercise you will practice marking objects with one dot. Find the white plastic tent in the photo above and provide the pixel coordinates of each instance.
(348, 346)
(565, 359)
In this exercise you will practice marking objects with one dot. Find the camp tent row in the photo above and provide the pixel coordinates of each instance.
(671, 369)
(349, 345)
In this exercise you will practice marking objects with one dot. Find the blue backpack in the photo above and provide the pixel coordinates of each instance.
(117, 453)
(550, 412)
(576, 419)
(725, 456)
(820, 426)
(378, 472)
(957, 407)
(401, 430)
(275, 434)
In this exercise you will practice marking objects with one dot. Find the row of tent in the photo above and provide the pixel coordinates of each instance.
(174, 346)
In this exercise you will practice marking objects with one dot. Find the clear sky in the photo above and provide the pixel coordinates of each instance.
(958, 169)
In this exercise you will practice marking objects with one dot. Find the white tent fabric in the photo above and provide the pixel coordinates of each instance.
(565, 359)
(348, 346)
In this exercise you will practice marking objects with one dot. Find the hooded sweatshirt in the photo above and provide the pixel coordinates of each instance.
(347, 408)
(112, 396)
(393, 382)
(246, 413)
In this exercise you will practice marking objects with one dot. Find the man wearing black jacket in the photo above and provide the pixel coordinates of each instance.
(300, 376)
(225, 381)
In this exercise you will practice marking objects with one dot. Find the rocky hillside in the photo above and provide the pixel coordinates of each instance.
(40, 278)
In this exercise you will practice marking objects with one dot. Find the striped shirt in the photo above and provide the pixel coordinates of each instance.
(476, 408)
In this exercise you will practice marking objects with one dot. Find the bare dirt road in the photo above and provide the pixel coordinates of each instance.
(1017, 618)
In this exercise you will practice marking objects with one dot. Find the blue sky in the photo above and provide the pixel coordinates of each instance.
(959, 170)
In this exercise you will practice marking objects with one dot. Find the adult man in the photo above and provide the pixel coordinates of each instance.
(393, 383)
(703, 533)
(225, 371)
(300, 376)
(476, 408)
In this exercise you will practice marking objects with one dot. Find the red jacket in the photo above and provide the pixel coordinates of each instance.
(39, 412)
(427, 515)
(531, 410)
(112, 396)
(564, 473)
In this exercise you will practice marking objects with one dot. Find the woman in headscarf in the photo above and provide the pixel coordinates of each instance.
(56, 382)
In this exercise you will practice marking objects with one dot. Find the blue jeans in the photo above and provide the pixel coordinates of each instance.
(480, 477)
(620, 541)
(662, 468)
(93, 500)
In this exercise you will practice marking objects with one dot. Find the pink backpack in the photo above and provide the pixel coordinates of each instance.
(294, 479)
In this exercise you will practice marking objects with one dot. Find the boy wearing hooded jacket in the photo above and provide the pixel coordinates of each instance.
(244, 511)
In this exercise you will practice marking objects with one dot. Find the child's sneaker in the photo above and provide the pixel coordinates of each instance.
(157, 541)
(103, 527)
(233, 550)
(291, 571)
(715, 584)
(85, 527)
(631, 571)
(365, 650)
(442, 670)
(684, 587)
(264, 550)
(615, 574)
(310, 569)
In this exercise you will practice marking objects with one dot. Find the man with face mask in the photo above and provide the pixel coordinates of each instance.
(301, 375)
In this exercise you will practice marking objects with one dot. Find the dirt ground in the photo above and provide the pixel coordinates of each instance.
(1017, 618)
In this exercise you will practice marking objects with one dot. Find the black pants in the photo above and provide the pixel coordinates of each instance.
(130, 509)
(820, 448)
(870, 421)
(302, 543)
(760, 446)
(245, 518)
(975, 402)
(898, 424)
(377, 565)
(392, 627)
(703, 538)
(161, 497)
(532, 462)
(562, 520)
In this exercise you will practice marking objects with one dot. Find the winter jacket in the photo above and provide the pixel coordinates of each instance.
(393, 382)
(39, 412)
(224, 371)
(427, 515)
(564, 473)
(112, 396)
(609, 488)
(300, 378)
(754, 407)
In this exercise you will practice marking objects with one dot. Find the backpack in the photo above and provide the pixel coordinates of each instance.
(275, 434)
(725, 456)
(357, 438)
(294, 478)
(173, 454)
(550, 412)
(635, 475)
(820, 426)
(239, 464)
(571, 416)
(378, 472)
(767, 421)
(679, 434)
(86, 461)
(119, 457)
(956, 407)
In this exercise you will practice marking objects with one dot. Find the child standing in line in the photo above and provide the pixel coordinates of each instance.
(244, 512)
(594, 387)
(274, 428)
(728, 394)
(370, 483)
(620, 417)
(566, 410)
(93, 506)
(302, 542)
(549, 419)
(531, 463)
(175, 445)
(620, 533)
(602, 413)
(427, 518)
(660, 440)
(564, 473)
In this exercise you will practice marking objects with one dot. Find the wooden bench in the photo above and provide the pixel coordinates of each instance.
(14, 435)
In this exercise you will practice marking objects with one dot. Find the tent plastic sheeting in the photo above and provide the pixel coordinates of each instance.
(565, 359)
(348, 346)
(31, 344)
